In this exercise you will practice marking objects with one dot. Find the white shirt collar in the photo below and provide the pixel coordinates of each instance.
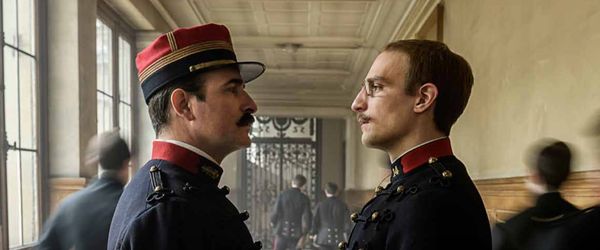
(415, 147)
(190, 148)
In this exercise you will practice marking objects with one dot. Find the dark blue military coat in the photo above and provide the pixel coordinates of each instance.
(83, 219)
(430, 204)
(331, 222)
(173, 202)
(552, 224)
(291, 214)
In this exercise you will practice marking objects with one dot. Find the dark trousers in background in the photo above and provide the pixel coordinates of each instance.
(284, 243)
(322, 247)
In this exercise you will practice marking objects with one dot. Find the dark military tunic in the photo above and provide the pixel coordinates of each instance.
(331, 222)
(291, 217)
(545, 226)
(430, 204)
(83, 219)
(173, 202)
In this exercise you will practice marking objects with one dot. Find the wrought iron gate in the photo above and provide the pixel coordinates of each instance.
(281, 148)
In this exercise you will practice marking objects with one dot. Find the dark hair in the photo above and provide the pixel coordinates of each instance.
(299, 180)
(553, 163)
(433, 62)
(159, 102)
(331, 188)
(112, 150)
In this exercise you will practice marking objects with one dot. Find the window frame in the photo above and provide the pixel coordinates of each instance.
(121, 29)
(41, 121)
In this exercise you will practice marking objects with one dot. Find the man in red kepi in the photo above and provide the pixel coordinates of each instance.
(194, 88)
(412, 95)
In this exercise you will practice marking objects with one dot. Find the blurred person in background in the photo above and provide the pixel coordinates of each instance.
(331, 221)
(291, 216)
(82, 220)
(546, 225)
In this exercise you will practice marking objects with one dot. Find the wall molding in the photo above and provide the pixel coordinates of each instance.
(504, 197)
(415, 16)
(63, 187)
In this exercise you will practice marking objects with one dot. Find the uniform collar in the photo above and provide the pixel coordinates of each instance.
(189, 147)
(193, 161)
(421, 154)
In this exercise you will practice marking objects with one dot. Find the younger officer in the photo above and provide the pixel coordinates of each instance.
(331, 221)
(194, 88)
(413, 94)
(291, 216)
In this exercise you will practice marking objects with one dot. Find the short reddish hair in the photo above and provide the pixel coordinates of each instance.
(433, 62)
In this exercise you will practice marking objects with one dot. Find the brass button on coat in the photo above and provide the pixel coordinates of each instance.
(400, 189)
(342, 245)
(374, 216)
(432, 160)
(225, 190)
(447, 174)
(244, 215)
(354, 217)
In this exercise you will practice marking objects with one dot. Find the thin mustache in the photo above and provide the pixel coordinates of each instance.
(247, 119)
(362, 118)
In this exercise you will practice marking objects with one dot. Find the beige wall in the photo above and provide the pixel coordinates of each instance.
(372, 166)
(536, 75)
(332, 152)
(71, 85)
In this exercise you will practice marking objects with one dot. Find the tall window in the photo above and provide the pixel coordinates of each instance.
(125, 89)
(104, 76)
(20, 117)
(114, 63)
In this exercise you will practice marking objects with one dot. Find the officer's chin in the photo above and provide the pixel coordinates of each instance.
(244, 142)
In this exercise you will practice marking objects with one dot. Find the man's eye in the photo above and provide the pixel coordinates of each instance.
(375, 87)
(234, 90)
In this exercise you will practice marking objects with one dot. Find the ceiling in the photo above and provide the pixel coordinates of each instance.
(316, 51)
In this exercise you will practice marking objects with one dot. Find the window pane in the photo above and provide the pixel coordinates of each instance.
(105, 107)
(125, 122)
(13, 182)
(124, 71)
(11, 95)
(26, 28)
(104, 57)
(27, 102)
(29, 197)
(9, 14)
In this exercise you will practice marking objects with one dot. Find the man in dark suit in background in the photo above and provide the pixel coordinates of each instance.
(82, 220)
(291, 216)
(331, 220)
(546, 225)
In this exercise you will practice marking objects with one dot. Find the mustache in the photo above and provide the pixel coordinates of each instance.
(361, 118)
(246, 120)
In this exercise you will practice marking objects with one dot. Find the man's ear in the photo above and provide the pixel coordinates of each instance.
(427, 94)
(180, 102)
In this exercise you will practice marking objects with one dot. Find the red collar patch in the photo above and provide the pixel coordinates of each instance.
(421, 155)
(185, 159)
